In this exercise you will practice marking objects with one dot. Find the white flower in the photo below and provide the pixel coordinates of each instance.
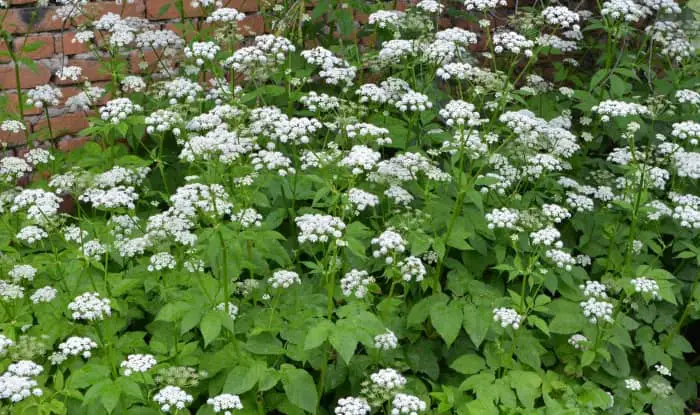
(352, 406)
(193, 198)
(386, 341)
(43, 295)
(284, 279)
(22, 272)
(90, 306)
(386, 18)
(138, 363)
(645, 285)
(319, 228)
(13, 126)
(388, 244)
(507, 317)
(229, 308)
(44, 95)
(388, 379)
(503, 218)
(430, 6)
(118, 110)
(548, 236)
(578, 341)
(688, 96)
(225, 15)
(512, 42)
(5, 343)
(662, 370)
(360, 200)
(407, 404)
(10, 292)
(13, 168)
(202, 52)
(458, 112)
(611, 108)
(74, 346)
(356, 283)
(69, 72)
(413, 101)
(360, 159)
(31, 234)
(172, 398)
(597, 310)
(225, 403)
(412, 269)
(633, 384)
(161, 261)
(482, 5)
(594, 289)
(16, 388)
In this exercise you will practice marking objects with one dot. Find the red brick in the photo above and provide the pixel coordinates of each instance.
(62, 125)
(98, 9)
(16, 2)
(149, 56)
(92, 70)
(14, 108)
(71, 48)
(154, 7)
(252, 25)
(13, 139)
(73, 143)
(46, 50)
(3, 48)
(15, 20)
(28, 78)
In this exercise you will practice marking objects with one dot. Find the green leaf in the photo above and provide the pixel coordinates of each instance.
(210, 327)
(526, 385)
(318, 334)
(587, 358)
(421, 310)
(344, 341)
(476, 322)
(241, 379)
(447, 320)
(468, 364)
(299, 387)
(110, 397)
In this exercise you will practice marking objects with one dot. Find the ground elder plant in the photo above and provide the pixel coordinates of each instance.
(501, 219)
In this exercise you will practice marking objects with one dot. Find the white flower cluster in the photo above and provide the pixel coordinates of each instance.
(361, 200)
(407, 404)
(352, 406)
(633, 384)
(687, 130)
(597, 310)
(138, 363)
(161, 261)
(560, 258)
(430, 6)
(646, 285)
(31, 234)
(555, 213)
(202, 52)
(207, 199)
(13, 126)
(172, 397)
(504, 218)
(356, 283)
(225, 15)
(118, 110)
(17, 388)
(412, 269)
(688, 96)
(44, 96)
(415, 102)
(548, 236)
(460, 113)
(229, 308)
(43, 295)
(90, 306)
(284, 279)
(22, 272)
(594, 289)
(386, 18)
(512, 42)
(319, 228)
(10, 292)
(161, 121)
(388, 379)
(319, 102)
(612, 108)
(378, 135)
(627, 10)
(578, 341)
(483, 5)
(74, 346)
(225, 403)
(507, 317)
(386, 341)
(388, 244)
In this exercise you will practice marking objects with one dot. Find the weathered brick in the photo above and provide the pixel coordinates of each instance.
(13, 139)
(92, 70)
(62, 125)
(65, 42)
(72, 143)
(43, 42)
(13, 107)
(28, 78)
(135, 59)
(165, 9)
(252, 25)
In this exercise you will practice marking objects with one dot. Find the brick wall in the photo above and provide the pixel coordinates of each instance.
(51, 44)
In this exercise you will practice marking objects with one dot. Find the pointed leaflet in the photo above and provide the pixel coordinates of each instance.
(299, 387)
(476, 322)
(447, 320)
